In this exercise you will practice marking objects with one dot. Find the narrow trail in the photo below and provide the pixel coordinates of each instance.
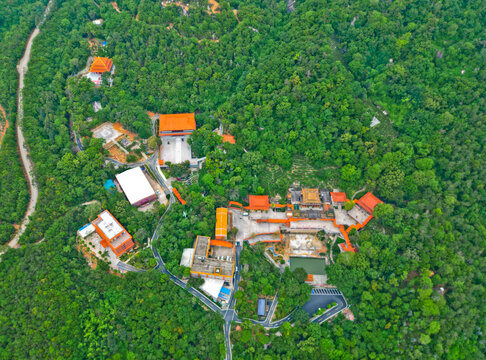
(22, 69)
(3, 125)
(358, 191)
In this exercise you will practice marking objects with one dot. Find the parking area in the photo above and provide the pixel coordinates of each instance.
(324, 291)
(161, 196)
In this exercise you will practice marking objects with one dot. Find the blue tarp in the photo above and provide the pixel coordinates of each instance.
(261, 307)
(109, 184)
(224, 293)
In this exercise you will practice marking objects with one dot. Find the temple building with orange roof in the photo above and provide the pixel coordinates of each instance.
(362, 212)
(221, 232)
(368, 202)
(258, 202)
(99, 66)
(174, 131)
(177, 124)
(229, 139)
(338, 199)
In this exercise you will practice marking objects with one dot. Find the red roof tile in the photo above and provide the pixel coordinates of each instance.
(368, 202)
(101, 65)
(177, 122)
(338, 197)
(259, 202)
(229, 138)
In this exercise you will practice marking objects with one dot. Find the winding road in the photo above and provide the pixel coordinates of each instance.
(22, 69)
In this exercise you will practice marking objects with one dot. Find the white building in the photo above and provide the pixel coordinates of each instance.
(136, 187)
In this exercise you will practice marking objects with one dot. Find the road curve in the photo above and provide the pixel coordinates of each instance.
(22, 69)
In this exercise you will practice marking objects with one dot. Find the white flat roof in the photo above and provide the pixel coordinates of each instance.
(109, 225)
(212, 287)
(135, 185)
(86, 230)
(186, 258)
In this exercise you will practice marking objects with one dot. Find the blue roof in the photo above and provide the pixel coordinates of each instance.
(109, 184)
(261, 307)
(225, 290)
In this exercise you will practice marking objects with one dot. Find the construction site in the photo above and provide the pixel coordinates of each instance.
(119, 142)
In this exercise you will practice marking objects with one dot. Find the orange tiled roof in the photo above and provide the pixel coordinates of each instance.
(338, 196)
(177, 122)
(101, 65)
(259, 202)
(123, 248)
(368, 202)
(178, 196)
(221, 223)
(229, 138)
(222, 243)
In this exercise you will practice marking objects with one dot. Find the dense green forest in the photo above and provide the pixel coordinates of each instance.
(17, 19)
(291, 87)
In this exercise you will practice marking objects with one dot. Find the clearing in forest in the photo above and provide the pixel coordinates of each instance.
(119, 142)
(214, 6)
(184, 7)
(115, 6)
(236, 15)
(3, 124)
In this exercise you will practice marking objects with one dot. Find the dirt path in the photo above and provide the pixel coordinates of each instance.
(3, 125)
(115, 6)
(357, 192)
(22, 69)
(236, 15)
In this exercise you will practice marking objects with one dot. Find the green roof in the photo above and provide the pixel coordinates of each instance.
(315, 266)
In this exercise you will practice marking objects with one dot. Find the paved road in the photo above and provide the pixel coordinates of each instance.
(272, 309)
(135, 164)
(22, 69)
(230, 314)
(321, 298)
(126, 267)
(341, 305)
